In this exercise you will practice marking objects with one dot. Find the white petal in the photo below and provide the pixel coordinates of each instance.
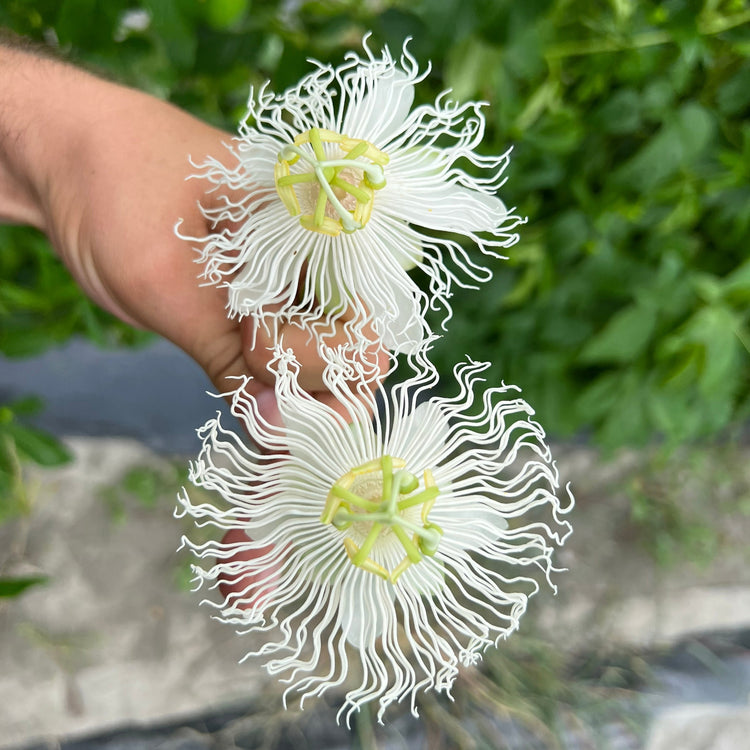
(405, 330)
(420, 437)
(381, 110)
(258, 156)
(365, 604)
(443, 206)
(275, 250)
(467, 525)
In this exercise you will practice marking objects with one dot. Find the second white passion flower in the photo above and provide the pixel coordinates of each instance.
(339, 187)
(382, 547)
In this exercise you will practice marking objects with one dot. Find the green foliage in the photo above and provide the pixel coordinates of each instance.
(623, 312)
(142, 487)
(624, 309)
(19, 443)
(686, 505)
(12, 587)
(146, 488)
(40, 306)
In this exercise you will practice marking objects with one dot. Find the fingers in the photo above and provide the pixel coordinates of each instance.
(239, 587)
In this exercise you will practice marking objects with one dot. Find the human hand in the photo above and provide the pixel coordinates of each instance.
(102, 170)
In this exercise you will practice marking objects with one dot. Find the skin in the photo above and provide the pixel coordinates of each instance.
(101, 169)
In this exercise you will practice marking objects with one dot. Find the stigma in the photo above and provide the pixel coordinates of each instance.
(334, 190)
(382, 499)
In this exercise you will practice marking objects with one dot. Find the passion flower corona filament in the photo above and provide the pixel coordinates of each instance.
(337, 188)
(404, 536)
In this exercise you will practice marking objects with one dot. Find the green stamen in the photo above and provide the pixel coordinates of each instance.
(357, 151)
(352, 499)
(386, 466)
(411, 549)
(361, 195)
(320, 209)
(317, 144)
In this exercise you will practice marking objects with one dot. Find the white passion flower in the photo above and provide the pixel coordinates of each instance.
(339, 188)
(386, 552)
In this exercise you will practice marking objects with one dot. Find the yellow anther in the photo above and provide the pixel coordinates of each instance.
(375, 155)
(294, 179)
(286, 190)
(330, 508)
(363, 211)
(327, 136)
(347, 479)
(359, 149)
(328, 226)
(386, 467)
(429, 481)
(368, 564)
(399, 569)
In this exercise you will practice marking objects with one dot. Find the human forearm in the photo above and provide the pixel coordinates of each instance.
(34, 125)
(19, 200)
(58, 124)
(96, 166)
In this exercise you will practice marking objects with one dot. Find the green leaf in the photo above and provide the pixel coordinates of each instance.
(625, 336)
(470, 68)
(598, 398)
(677, 145)
(223, 14)
(735, 287)
(27, 406)
(734, 95)
(37, 445)
(7, 458)
(25, 341)
(143, 483)
(715, 328)
(620, 113)
(675, 413)
(15, 296)
(68, 24)
(657, 100)
(627, 422)
(709, 348)
(695, 127)
(12, 587)
(174, 30)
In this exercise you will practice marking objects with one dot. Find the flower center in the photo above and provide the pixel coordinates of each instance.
(335, 189)
(378, 499)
